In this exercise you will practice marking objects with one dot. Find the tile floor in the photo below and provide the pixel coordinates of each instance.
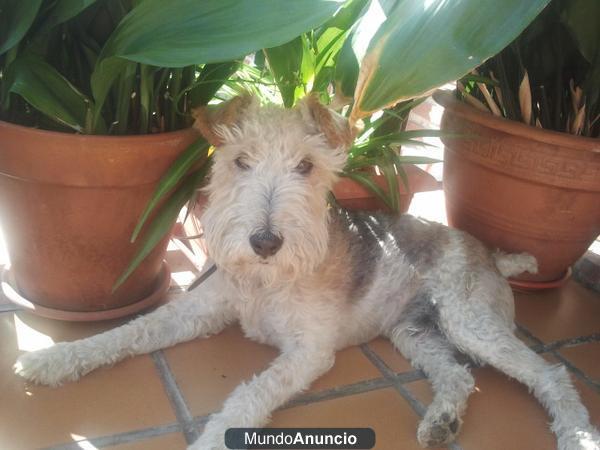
(160, 401)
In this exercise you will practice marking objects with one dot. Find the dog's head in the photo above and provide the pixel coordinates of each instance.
(273, 168)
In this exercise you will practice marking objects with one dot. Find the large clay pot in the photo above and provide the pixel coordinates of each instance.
(353, 195)
(68, 206)
(521, 188)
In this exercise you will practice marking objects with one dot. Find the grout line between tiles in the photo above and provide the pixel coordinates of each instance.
(338, 392)
(389, 374)
(573, 342)
(120, 438)
(552, 349)
(182, 412)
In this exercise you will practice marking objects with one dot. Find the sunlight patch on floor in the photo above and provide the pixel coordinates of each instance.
(29, 339)
(184, 278)
(82, 442)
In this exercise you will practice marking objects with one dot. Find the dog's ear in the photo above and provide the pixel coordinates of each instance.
(321, 119)
(208, 119)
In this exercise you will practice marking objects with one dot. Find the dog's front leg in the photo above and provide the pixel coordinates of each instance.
(251, 404)
(200, 313)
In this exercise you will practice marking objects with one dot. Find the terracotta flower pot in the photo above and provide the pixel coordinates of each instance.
(521, 188)
(353, 195)
(68, 205)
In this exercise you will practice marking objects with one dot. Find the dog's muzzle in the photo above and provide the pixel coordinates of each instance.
(265, 243)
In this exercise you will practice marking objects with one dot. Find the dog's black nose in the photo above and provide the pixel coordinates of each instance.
(265, 243)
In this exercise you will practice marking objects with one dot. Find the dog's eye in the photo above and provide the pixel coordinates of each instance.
(239, 161)
(304, 167)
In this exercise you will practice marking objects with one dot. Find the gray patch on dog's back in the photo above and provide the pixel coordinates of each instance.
(421, 314)
(364, 239)
(422, 242)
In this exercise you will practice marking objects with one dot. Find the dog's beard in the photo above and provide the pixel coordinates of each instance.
(284, 267)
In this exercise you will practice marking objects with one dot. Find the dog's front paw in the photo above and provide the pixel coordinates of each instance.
(51, 366)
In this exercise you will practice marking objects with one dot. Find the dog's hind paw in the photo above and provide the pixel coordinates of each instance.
(51, 366)
(580, 439)
(436, 430)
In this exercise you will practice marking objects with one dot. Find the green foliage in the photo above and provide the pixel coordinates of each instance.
(47, 90)
(15, 20)
(549, 76)
(422, 45)
(134, 61)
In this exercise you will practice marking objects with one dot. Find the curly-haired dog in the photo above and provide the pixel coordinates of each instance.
(310, 280)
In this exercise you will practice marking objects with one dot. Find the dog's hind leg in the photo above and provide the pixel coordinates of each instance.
(477, 330)
(199, 313)
(452, 382)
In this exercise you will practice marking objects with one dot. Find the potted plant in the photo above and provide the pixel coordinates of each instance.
(94, 107)
(530, 179)
(368, 61)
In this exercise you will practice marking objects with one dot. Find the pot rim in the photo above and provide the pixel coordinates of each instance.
(138, 138)
(449, 102)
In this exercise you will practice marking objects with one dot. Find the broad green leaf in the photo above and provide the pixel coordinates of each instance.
(48, 91)
(64, 10)
(388, 170)
(210, 79)
(402, 159)
(355, 47)
(582, 17)
(178, 33)
(164, 220)
(285, 62)
(346, 16)
(194, 153)
(146, 93)
(16, 17)
(404, 136)
(346, 69)
(104, 75)
(328, 45)
(307, 70)
(123, 100)
(422, 45)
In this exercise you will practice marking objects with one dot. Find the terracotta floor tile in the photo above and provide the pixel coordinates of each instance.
(386, 351)
(562, 313)
(392, 419)
(125, 397)
(208, 370)
(351, 366)
(502, 414)
(586, 357)
(173, 441)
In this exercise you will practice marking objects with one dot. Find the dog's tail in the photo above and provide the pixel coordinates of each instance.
(511, 264)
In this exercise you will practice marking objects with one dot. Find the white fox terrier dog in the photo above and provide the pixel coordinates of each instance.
(311, 279)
